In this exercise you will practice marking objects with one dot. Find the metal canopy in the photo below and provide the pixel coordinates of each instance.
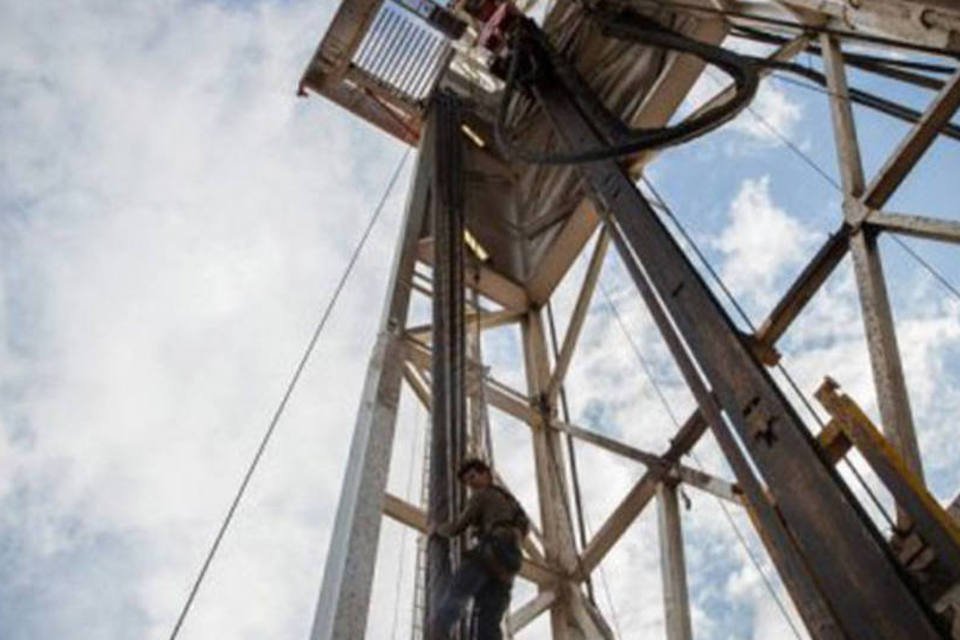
(533, 221)
(380, 60)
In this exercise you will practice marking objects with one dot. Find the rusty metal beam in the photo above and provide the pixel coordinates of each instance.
(916, 226)
(579, 315)
(843, 550)
(799, 293)
(674, 470)
(892, 396)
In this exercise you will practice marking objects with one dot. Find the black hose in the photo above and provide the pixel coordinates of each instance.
(864, 61)
(630, 27)
(859, 96)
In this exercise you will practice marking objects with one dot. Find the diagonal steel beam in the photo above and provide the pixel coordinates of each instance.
(579, 315)
(530, 611)
(799, 293)
(676, 471)
(640, 495)
(844, 552)
(498, 394)
(914, 145)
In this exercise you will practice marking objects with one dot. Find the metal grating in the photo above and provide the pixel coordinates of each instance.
(402, 52)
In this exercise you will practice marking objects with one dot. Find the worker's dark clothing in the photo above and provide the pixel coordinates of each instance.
(491, 597)
(486, 573)
(486, 510)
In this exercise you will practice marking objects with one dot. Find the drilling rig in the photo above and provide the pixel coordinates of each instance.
(533, 124)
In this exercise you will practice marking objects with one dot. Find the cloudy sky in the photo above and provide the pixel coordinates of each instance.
(172, 221)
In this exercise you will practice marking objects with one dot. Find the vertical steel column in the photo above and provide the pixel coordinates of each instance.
(341, 611)
(892, 397)
(552, 489)
(673, 567)
(843, 550)
(448, 409)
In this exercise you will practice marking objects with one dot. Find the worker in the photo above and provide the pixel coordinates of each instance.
(487, 570)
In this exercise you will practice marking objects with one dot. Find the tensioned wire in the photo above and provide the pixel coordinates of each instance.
(648, 372)
(810, 162)
(301, 365)
(665, 208)
(833, 183)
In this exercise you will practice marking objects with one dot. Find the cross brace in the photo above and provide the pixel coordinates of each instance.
(838, 544)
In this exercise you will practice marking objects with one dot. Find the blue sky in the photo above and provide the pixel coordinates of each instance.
(172, 220)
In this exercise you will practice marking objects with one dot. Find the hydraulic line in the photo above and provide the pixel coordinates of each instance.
(531, 49)
(859, 96)
(806, 28)
(867, 62)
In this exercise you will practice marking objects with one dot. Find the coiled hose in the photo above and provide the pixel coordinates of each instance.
(529, 40)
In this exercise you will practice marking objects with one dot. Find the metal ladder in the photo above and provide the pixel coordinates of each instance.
(417, 631)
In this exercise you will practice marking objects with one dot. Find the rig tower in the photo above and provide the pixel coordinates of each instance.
(533, 124)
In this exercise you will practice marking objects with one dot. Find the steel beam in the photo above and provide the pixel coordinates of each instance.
(530, 611)
(841, 113)
(341, 611)
(914, 145)
(414, 379)
(673, 567)
(842, 548)
(579, 315)
(498, 394)
(698, 479)
(892, 396)
(482, 319)
(799, 294)
(640, 495)
(916, 226)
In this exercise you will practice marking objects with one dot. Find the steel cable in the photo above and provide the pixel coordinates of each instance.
(673, 418)
(271, 427)
(806, 159)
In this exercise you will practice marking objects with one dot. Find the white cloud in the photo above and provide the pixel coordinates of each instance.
(172, 220)
(770, 117)
(761, 242)
(773, 116)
